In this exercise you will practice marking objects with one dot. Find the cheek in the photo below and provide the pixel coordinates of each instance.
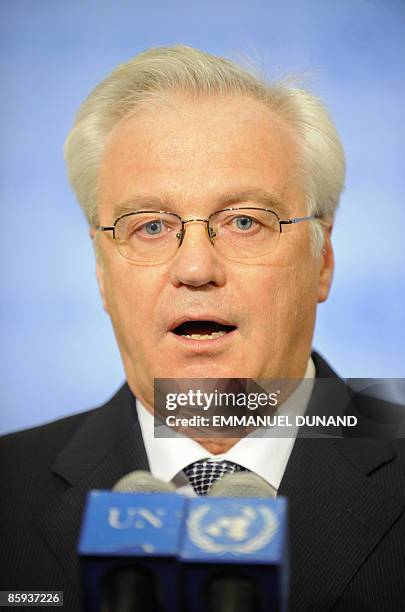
(131, 294)
(280, 296)
(301, 295)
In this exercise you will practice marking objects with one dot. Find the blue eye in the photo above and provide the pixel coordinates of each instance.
(244, 223)
(153, 227)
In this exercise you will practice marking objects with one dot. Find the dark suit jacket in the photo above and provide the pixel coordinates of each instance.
(346, 507)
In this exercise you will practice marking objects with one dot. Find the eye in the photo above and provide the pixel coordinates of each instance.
(147, 228)
(153, 227)
(243, 223)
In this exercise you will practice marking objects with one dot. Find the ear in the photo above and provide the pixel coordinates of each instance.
(100, 281)
(327, 267)
(99, 268)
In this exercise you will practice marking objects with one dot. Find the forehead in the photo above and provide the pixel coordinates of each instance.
(192, 153)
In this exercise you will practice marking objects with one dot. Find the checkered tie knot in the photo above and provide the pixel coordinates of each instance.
(203, 474)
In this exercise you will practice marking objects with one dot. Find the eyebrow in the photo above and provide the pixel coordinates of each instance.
(254, 195)
(140, 202)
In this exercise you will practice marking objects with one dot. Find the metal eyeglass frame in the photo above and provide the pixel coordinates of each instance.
(211, 233)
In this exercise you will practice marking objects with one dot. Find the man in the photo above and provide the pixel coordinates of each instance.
(210, 198)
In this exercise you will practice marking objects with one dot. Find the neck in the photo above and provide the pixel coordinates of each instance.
(217, 446)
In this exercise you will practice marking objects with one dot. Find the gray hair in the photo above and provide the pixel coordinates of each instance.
(153, 73)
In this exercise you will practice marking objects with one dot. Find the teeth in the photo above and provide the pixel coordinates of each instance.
(217, 334)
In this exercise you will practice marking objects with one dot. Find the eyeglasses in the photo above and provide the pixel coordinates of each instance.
(150, 236)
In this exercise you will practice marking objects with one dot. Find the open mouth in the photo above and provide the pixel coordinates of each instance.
(202, 330)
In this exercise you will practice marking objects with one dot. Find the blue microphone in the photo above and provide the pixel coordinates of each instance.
(128, 546)
(234, 549)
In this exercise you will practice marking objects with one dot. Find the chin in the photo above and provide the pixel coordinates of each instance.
(208, 370)
(185, 370)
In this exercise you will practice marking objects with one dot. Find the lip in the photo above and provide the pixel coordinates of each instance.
(202, 346)
(204, 317)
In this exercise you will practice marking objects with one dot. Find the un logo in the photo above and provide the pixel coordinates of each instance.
(234, 528)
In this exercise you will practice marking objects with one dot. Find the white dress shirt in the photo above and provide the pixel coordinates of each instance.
(259, 453)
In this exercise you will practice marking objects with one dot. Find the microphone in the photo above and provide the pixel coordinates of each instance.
(142, 482)
(242, 484)
(128, 546)
(234, 548)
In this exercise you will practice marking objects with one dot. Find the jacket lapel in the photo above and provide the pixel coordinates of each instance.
(108, 445)
(337, 514)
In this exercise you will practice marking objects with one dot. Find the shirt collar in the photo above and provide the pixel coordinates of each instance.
(260, 453)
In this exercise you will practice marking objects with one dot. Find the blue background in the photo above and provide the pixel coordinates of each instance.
(58, 353)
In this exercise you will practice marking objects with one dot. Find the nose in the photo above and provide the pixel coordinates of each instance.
(196, 263)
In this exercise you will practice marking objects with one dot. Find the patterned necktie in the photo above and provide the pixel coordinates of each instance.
(202, 474)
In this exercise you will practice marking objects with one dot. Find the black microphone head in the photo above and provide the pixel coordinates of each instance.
(242, 484)
(142, 482)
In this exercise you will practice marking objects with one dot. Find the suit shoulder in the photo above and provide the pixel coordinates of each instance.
(41, 442)
(40, 446)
